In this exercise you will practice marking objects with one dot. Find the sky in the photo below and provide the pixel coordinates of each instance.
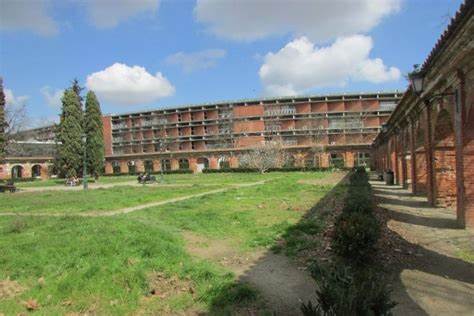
(145, 54)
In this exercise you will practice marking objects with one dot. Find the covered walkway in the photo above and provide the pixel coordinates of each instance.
(430, 258)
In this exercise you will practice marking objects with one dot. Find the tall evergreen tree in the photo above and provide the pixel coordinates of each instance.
(94, 133)
(70, 132)
(2, 120)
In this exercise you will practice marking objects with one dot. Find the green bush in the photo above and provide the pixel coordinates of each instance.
(355, 236)
(249, 170)
(345, 291)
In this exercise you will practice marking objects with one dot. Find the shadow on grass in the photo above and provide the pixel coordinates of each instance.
(280, 279)
(277, 283)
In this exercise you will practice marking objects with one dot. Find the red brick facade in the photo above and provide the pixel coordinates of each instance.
(440, 125)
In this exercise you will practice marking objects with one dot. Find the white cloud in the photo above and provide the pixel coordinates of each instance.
(300, 66)
(319, 20)
(27, 15)
(125, 85)
(15, 101)
(108, 13)
(52, 96)
(197, 60)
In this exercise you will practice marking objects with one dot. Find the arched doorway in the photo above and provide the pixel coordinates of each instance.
(202, 163)
(17, 172)
(148, 166)
(132, 169)
(166, 164)
(224, 163)
(116, 167)
(336, 160)
(183, 164)
(36, 171)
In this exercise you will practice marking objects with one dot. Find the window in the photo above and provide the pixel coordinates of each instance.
(183, 164)
(336, 160)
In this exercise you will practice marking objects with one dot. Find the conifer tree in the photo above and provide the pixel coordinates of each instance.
(70, 132)
(94, 135)
(2, 120)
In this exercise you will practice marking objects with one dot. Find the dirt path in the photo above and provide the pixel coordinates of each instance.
(424, 245)
(135, 208)
(93, 186)
(281, 283)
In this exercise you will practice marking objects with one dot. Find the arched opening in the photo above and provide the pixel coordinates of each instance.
(336, 160)
(202, 163)
(362, 159)
(289, 162)
(116, 167)
(166, 164)
(183, 164)
(17, 172)
(148, 166)
(224, 163)
(36, 171)
(444, 158)
(132, 168)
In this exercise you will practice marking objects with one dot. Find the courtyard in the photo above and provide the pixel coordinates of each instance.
(175, 247)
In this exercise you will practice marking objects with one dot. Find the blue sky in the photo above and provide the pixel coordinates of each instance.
(148, 53)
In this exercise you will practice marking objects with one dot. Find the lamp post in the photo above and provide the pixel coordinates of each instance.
(84, 167)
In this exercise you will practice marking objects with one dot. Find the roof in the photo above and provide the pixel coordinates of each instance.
(457, 21)
(300, 98)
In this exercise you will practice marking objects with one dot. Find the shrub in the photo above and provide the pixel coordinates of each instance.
(345, 291)
(355, 236)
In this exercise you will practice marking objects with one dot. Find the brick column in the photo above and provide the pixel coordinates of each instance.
(174, 164)
(26, 171)
(349, 159)
(156, 165)
(123, 166)
(213, 164)
(464, 145)
(324, 160)
(234, 162)
(413, 156)
(44, 174)
(193, 164)
(429, 155)
(140, 167)
(404, 160)
(109, 169)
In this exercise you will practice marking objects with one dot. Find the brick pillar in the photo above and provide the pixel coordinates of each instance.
(193, 164)
(44, 174)
(123, 166)
(299, 160)
(324, 160)
(109, 169)
(174, 164)
(213, 163)
(349, 159)
(156, 165)
(429, 155)
(394, 159)
(404, 160)
(464, 145)
(139, 165)
(413, 157)
(26, 171)
(234, 162)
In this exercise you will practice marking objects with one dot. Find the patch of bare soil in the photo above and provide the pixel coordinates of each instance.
(163, 287)
(282, 284)
(9, 289)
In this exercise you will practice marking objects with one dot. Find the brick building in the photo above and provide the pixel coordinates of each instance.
(215, 135)
(429, 139)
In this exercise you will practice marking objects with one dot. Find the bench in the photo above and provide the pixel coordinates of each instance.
(7, 187)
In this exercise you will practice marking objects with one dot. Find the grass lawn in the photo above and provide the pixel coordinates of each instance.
(138, 263)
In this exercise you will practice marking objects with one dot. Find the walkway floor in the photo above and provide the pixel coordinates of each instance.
(134, 208)
(430, 276)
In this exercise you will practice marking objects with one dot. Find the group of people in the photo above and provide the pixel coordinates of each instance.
(72, 181)
(145, 177)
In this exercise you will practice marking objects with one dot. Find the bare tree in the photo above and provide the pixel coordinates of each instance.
(267, 155)
(163, 145)
(15, 121)
(318, 140)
